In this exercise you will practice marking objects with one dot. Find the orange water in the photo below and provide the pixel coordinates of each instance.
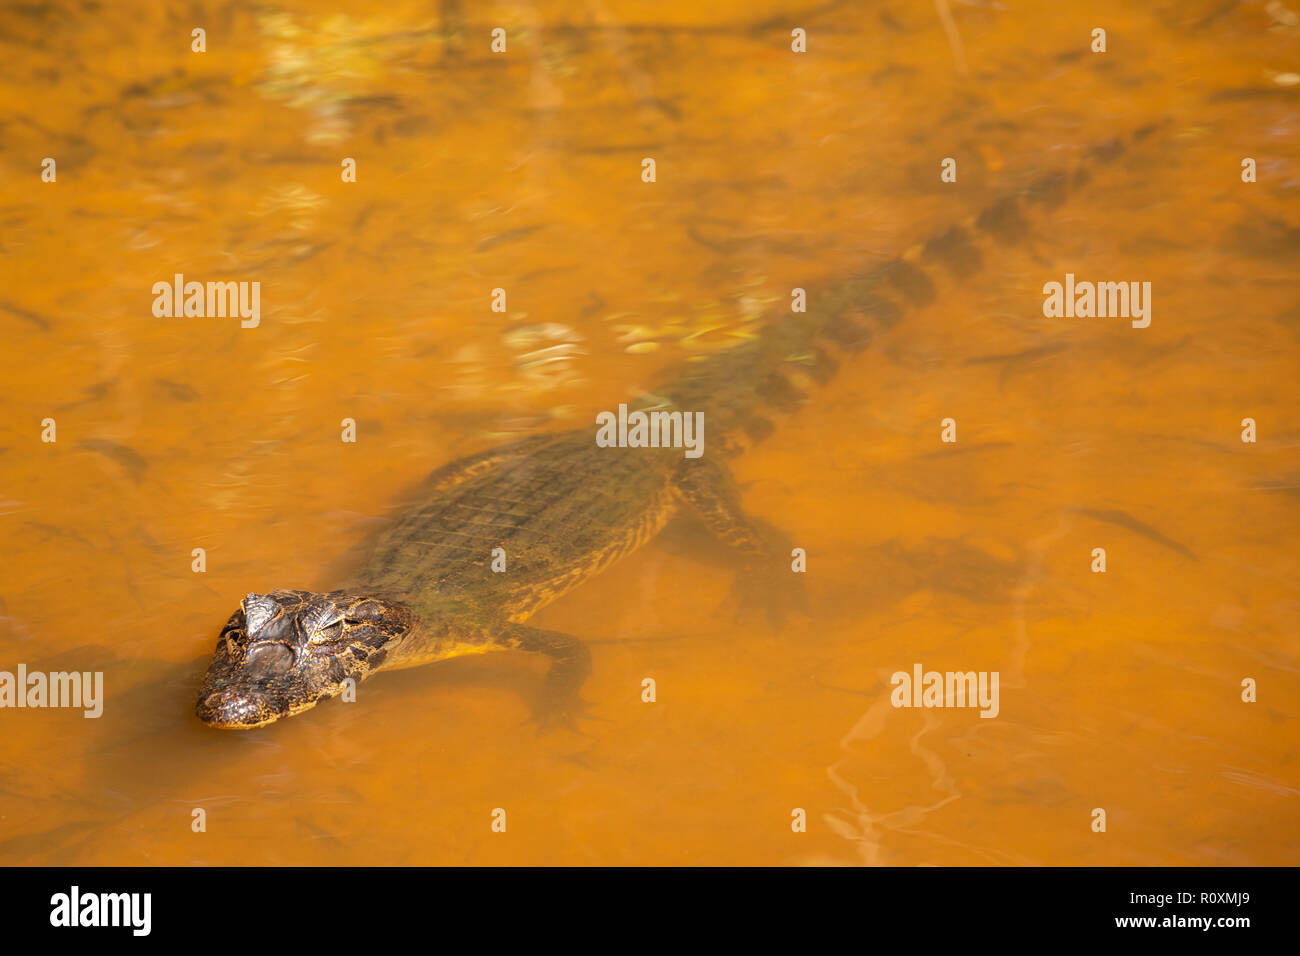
(1119, 691)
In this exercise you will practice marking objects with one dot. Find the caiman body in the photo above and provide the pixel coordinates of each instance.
(559, 507)
(562, 508)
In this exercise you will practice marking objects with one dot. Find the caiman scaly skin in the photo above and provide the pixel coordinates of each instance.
(564, 509)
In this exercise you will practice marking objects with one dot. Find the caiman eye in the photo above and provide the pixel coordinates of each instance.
(328, 634)
(367, 610)
(231, 636)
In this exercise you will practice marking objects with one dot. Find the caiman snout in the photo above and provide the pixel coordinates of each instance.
(237, 708)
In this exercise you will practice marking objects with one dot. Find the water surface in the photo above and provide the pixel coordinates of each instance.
(775, 170)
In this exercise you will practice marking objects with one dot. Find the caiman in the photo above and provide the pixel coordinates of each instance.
(563, 508)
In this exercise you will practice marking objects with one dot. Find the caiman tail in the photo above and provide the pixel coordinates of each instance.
(739, 388)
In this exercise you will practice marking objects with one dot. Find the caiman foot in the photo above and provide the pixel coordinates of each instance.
(768, 590)
(559, 705)
(560, 713)
(765, 583)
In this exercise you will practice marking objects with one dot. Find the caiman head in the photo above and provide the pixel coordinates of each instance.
(284, 652)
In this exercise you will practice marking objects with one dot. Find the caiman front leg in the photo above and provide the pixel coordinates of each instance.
(570, 665)
(764, 580)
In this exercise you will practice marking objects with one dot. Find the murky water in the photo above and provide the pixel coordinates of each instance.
(522, 171)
